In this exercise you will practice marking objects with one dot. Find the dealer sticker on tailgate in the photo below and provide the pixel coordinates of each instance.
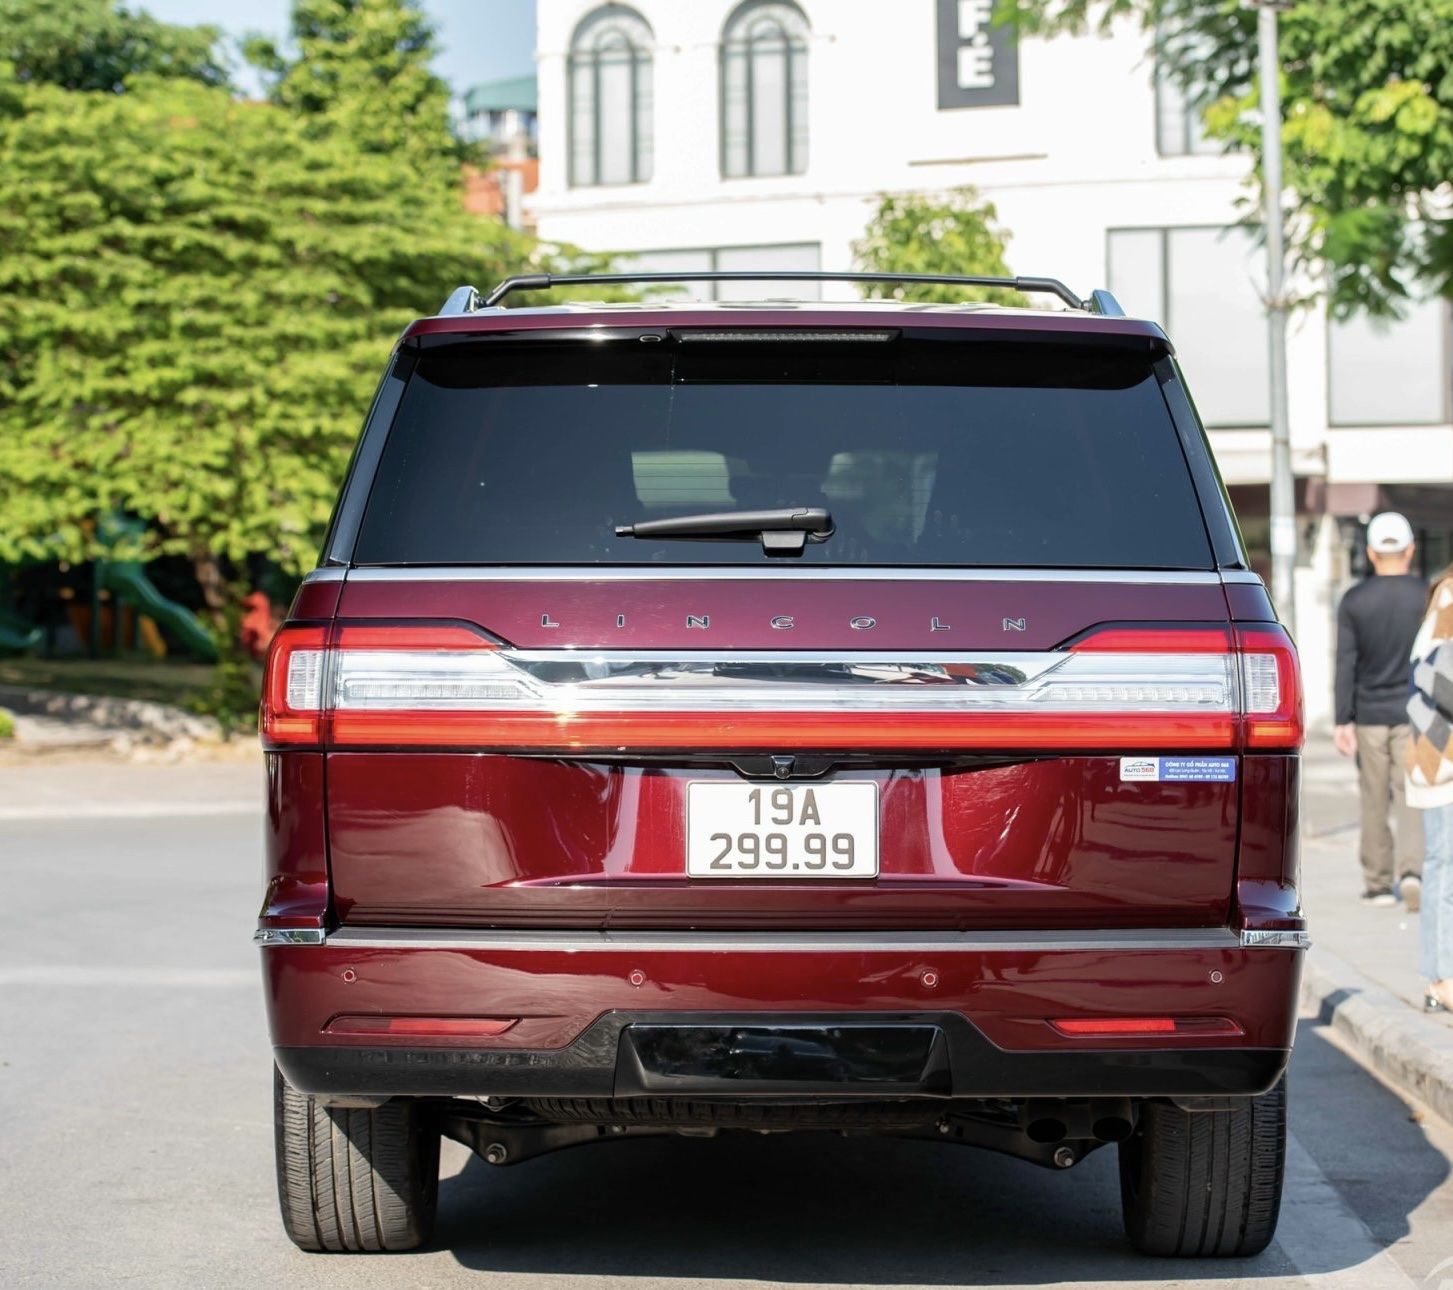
(1179, 770)
(794, 831)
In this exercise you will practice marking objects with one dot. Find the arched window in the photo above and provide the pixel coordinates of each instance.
(764, 90)
(610, 98)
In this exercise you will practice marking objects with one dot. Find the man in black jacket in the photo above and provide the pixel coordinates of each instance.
(1376, 623)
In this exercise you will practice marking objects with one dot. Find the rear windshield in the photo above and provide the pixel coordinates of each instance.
(936, 454)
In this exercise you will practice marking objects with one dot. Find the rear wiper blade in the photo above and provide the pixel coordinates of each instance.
(782, 532)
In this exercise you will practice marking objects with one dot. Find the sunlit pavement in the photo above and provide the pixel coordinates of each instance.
(135, 1119)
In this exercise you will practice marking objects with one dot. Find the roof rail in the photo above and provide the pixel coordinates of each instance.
(462, 300)
(1102, 302)
(466, 299)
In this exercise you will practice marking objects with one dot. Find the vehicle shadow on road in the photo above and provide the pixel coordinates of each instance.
(822, 1208)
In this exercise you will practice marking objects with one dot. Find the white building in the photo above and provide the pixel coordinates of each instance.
(698, 134)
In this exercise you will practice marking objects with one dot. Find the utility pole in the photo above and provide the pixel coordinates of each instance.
(516, 152)
(1283, 490)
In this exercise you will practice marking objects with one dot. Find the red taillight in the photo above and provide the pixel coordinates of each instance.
(1122, 688)
(298, 690)
(293, 719)
(1271, 684)
(427, 638)
(1135, 1027)
(1268, 674)
(1130, 639)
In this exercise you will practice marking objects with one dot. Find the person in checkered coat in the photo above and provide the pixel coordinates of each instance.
(1430, 785)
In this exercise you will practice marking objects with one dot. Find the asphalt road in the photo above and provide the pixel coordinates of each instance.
(136, 1126)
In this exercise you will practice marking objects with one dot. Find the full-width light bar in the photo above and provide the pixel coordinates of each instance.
(373, 685)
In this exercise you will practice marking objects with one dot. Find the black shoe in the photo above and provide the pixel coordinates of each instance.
(1431, 1003)
(1411, 890)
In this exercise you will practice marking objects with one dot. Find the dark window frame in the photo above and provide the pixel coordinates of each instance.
(584, 54)
(1160, 83)
(1164, 231)
(794, 58)
(1446, 392)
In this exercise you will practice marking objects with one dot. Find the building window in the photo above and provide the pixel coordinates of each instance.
(610, 98)
(794, 256)
(1205, 286)
(1390, 371)
(1178, 128)
(764, 91)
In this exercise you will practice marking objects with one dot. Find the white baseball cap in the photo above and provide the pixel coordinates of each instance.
(1389, 532)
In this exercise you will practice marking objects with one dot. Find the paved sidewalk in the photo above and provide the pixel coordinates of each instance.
(1382, 944)
(1361, 976)
(226, 780)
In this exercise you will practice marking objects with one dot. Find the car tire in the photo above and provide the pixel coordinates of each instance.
(1205, 1184)
(354, 1180)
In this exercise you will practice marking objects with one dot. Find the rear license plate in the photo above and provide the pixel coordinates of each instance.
(792, 831)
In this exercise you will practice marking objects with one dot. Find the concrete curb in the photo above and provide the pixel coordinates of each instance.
(1410, 1051)
(110, 713)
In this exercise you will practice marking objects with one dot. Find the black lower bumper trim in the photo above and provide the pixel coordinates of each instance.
(695, 1059)
(860, 1056)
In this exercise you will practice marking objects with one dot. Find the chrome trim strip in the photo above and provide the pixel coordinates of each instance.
(401, 938)
(1275, 940)
(289, 936)
(764, 573)
(326, 573)
(1130, 939)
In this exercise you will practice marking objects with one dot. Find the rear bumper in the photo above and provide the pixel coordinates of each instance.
(585, 1012)
(604, 1062)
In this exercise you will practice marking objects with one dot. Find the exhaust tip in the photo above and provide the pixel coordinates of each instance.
(1046, 1130)
(1112, 1128)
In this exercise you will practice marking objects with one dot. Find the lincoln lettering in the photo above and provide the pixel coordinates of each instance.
(787, 622)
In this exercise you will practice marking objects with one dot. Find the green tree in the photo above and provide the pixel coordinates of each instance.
(1368, 103)
(196, 297)
(953, 232)
(362, 67)
(99, 44)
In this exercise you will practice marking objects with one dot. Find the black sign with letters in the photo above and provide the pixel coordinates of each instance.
(978, 62)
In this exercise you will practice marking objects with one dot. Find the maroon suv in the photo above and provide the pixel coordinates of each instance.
(776, 717)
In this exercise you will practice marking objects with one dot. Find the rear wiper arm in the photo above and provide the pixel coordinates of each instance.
(782, 532)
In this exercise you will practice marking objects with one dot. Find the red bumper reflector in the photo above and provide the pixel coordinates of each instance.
(1134, 1027)
(427, 1027)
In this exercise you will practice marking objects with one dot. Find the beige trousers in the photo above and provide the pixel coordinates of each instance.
(1381, 779)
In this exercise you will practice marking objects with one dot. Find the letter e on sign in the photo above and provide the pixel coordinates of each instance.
(978, 59)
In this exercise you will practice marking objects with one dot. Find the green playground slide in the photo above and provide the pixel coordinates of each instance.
(127, 581)
(16, 635)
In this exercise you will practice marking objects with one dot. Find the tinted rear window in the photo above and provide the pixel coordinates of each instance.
(956, 454)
